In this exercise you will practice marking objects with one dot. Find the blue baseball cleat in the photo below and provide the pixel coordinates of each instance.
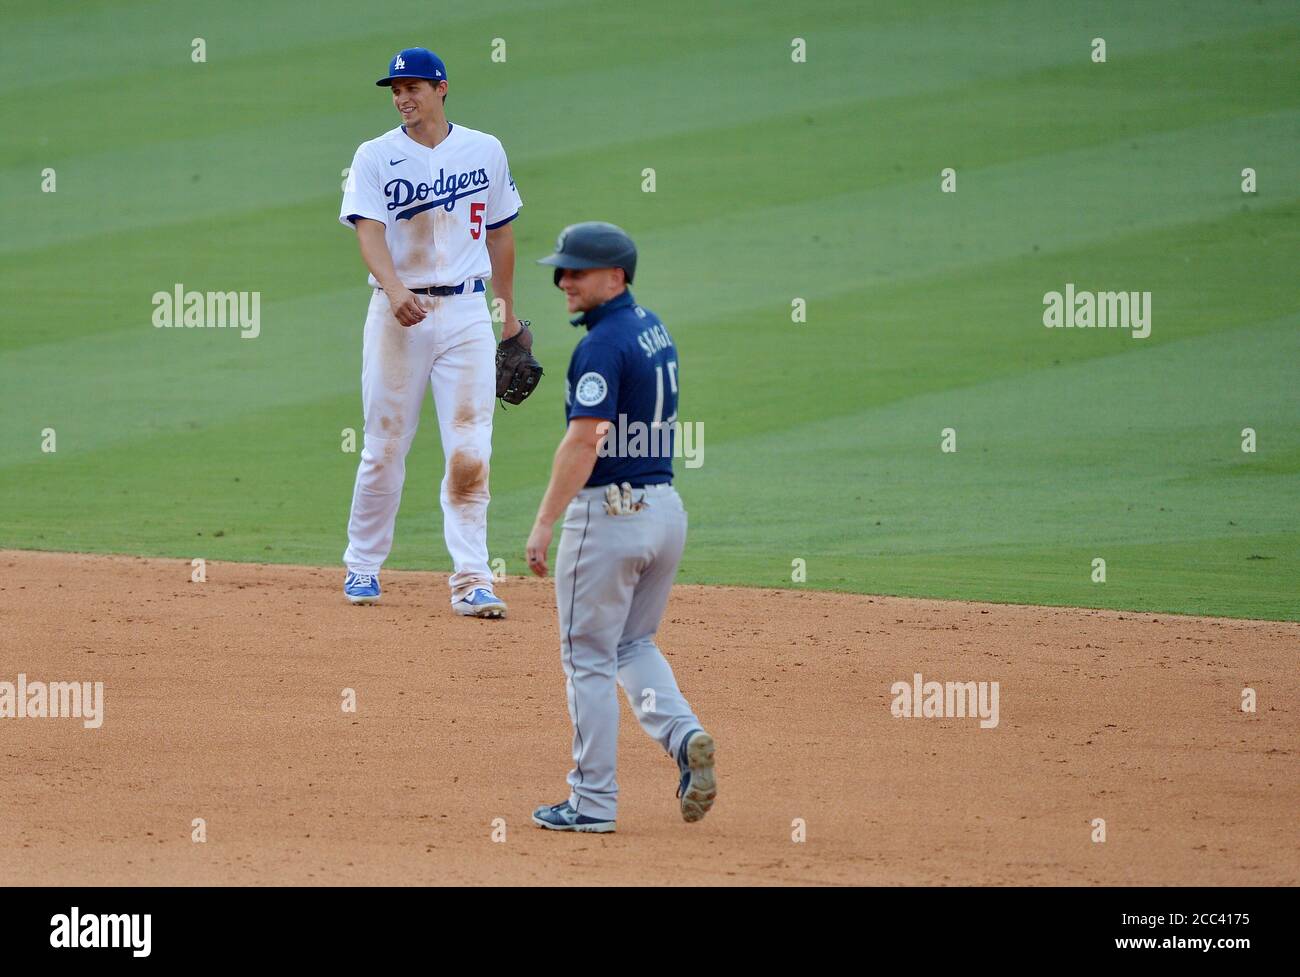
(479, 602)
(562, 817)
(698, 786)
(361, 588)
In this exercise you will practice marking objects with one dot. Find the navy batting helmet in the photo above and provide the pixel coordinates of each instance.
(593, 244)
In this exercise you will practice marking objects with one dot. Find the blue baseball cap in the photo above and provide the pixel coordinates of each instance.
(415, 62)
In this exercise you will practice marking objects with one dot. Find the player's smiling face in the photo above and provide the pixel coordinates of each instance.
(586, 288)
(417, 100)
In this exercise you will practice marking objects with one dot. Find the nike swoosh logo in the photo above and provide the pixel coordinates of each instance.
(394, 162)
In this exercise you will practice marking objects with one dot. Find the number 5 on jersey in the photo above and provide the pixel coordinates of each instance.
(476, 220)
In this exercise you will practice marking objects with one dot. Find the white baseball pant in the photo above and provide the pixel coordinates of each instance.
(453, 350)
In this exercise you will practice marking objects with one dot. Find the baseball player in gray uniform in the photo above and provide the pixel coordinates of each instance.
(624, 532)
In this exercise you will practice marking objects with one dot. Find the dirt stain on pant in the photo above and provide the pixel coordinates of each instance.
(466, 478)
(393, 355)
(468, 414)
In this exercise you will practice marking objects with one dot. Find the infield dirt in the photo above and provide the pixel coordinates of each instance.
(222, 701)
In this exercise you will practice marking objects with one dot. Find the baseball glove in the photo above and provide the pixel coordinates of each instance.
(518, 371)
(618, 500)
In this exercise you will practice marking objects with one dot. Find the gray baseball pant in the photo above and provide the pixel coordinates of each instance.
(613, 575)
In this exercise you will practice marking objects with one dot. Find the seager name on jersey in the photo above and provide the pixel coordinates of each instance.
(448, 188)
(654, 339)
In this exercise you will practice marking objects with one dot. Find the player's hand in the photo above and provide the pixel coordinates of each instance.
(406, 307)
(511, 327)
(539, 541)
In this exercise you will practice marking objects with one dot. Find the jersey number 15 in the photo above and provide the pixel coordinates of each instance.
(659, 393)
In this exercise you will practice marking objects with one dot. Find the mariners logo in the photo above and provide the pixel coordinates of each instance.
(591, 389)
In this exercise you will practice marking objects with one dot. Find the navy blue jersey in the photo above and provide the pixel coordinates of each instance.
(625, 371)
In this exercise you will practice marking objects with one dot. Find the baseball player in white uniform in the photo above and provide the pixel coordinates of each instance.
(431, 203)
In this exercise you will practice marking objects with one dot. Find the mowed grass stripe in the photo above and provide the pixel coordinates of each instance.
(1229, 577)
(942, 332)
(1106, 414)
(896, 233)
(141, 55)
(1133, 451)
(92, 41)
(876, 344)
(819, 151)
(222, 134)
(263, 94)
(1060, 461)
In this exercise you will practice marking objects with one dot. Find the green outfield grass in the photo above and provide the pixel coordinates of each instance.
(775, 181)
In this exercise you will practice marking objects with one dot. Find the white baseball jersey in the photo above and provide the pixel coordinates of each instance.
(436, 204)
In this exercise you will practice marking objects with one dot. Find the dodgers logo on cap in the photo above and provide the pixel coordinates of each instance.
(415, 62)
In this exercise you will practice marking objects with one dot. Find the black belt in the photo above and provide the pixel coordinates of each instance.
(449, 289)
